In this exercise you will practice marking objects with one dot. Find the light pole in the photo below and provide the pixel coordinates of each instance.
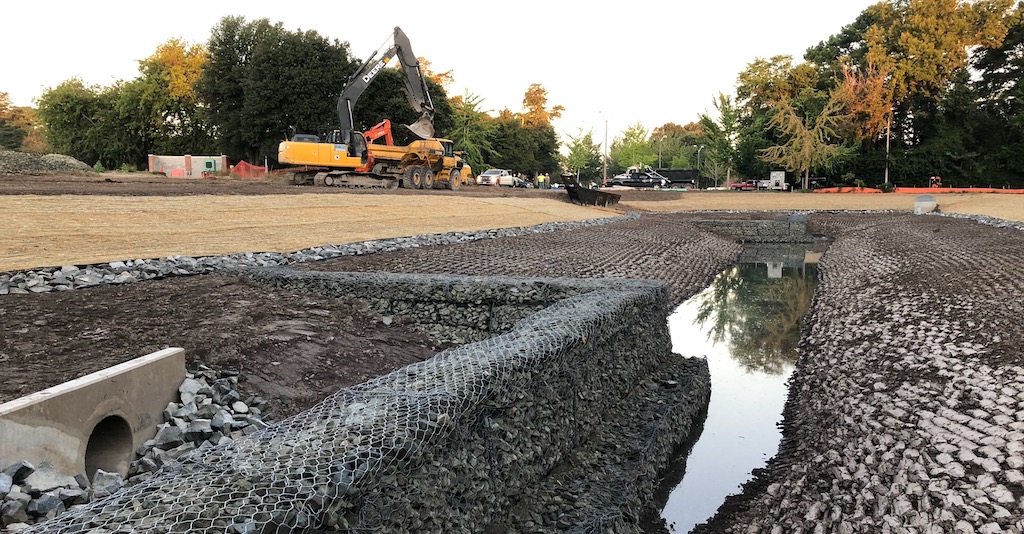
(605, 158)
(660, 139)
(699, 148)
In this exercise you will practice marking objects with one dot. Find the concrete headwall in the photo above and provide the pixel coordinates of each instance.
(454, 443)
(95, 421)
(781, 229)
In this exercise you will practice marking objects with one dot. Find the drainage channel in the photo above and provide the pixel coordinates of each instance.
(747, 324)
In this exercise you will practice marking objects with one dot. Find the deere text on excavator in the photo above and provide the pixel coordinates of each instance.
(345, 157)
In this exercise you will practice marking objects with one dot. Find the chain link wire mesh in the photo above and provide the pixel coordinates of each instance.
(441, 445)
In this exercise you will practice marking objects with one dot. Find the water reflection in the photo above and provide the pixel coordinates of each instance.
(757, 309)
(747, 324)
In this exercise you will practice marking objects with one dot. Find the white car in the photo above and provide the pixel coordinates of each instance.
(495, 177)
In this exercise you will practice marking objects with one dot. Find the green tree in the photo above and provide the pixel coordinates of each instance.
(473, 129)
(69, 113)
(722, 136)
(919, 49)
(167, 92)
(999, 132)
(11, 134)
(527, 150)
(262, 83)
(634, 147)
(584, 158)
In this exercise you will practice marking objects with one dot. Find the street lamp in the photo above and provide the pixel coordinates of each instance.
(605, 175)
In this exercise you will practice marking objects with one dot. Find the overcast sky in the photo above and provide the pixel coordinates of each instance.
(617, 63)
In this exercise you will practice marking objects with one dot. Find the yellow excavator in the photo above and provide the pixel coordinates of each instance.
(345, 157)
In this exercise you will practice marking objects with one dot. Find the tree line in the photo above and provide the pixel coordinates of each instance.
(252, 85)
(908, 90)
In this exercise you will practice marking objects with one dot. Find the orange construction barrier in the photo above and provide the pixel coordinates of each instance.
(247, 170)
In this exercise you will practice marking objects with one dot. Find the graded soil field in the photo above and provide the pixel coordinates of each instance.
(59, 220)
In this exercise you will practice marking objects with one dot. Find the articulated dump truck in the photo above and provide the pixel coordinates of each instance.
(422, 164)
(348, 158)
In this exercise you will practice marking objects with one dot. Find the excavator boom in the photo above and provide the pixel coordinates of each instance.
(415, 87)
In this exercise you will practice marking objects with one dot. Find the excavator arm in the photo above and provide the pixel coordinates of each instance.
(415, 87)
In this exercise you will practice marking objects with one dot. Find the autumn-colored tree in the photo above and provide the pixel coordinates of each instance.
(920, 44)
(677, 145)
(167, 91)
(866, 99)
(444, 79)
(766, 81)
(535, 107)
(810, 140)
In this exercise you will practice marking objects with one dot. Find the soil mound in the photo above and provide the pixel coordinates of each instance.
(22, 163)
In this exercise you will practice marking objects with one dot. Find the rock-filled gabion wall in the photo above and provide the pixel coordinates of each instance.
(784, 228)
(451, 444)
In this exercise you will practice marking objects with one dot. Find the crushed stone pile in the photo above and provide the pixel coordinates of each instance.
(22, 163)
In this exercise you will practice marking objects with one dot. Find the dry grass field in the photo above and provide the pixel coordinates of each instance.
(83, 223)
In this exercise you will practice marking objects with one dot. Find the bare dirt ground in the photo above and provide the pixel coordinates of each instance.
(59, 220)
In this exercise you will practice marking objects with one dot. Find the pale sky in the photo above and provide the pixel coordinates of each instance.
(620, 63)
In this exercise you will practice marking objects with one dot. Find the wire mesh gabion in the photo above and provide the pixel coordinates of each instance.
(440, 445)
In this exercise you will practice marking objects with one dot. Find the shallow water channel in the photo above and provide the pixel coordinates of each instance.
(747, 324)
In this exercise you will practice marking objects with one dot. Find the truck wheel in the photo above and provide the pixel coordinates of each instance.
(428, 179)
(413, 178)
(454, 179)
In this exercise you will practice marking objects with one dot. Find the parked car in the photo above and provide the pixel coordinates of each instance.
(495, 177)
(746, 185)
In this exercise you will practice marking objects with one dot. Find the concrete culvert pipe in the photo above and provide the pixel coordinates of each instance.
(110, 447)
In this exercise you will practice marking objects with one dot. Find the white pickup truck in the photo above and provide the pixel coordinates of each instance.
(495, 177)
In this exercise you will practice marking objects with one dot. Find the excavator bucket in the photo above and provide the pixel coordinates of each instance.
(423, 128)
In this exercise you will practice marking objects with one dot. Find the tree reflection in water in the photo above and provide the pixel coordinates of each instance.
(760, 317)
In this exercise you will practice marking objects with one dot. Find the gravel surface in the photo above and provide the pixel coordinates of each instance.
(22, 163)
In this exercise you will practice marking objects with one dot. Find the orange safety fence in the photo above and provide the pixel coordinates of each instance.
(934, 190)
(920, 190)
(247, 170)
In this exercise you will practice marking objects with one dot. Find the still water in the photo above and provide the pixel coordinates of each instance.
(747, 324)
